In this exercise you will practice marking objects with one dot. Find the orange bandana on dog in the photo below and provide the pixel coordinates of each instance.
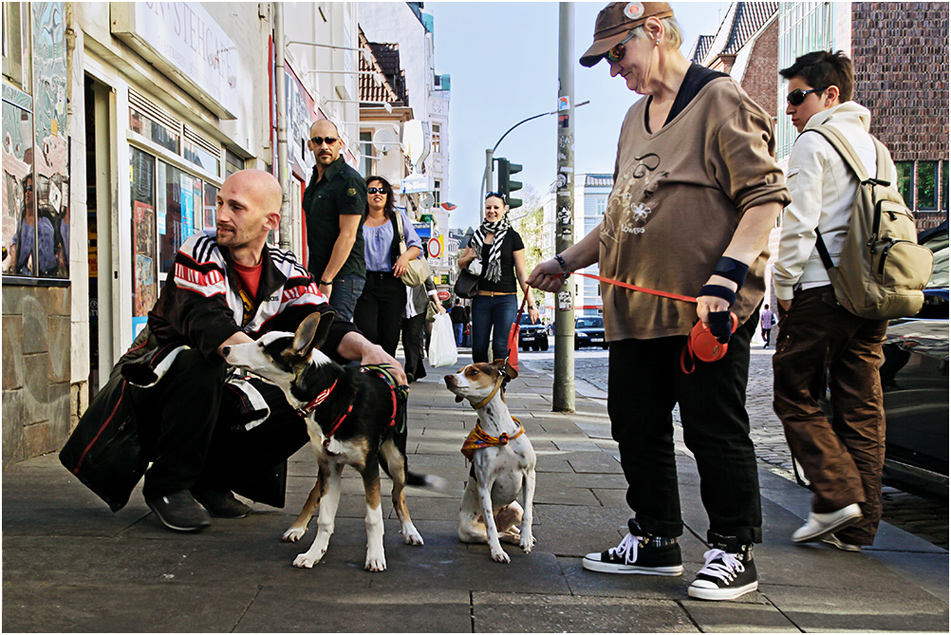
(478, 439)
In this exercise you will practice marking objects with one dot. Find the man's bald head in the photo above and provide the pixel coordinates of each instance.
(249, 207)
(264, 186)
(324, 128)
(325, 152)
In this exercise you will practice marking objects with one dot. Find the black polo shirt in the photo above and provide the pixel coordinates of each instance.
(340, 191)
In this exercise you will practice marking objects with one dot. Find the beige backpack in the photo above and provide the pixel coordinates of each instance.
(882, 269)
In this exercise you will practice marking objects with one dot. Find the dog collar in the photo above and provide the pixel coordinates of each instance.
(498, 384)
(316, 401)
(479, 439)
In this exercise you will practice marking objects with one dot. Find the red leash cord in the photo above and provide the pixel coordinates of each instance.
(664, 294)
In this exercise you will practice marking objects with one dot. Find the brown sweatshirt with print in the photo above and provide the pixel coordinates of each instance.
(678, 197)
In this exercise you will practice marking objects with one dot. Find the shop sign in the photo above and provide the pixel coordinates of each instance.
(184, 42)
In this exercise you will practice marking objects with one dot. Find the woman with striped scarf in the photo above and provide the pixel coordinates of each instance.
(496, 254)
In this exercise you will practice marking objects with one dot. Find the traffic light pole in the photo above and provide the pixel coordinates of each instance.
(563, 388)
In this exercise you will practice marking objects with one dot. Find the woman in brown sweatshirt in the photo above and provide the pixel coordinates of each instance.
(696, 192)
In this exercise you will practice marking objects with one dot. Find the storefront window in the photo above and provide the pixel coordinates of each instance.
(905, 175)
(927, 185)
(20, 241)
(183, 207)
(153, 130)
(204, 159)
(168, 206)
(944, 182)
(144, 291)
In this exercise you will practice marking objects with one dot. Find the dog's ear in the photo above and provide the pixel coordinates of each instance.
(502, 366)
(312, 332)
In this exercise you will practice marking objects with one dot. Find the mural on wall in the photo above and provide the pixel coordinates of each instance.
(36, 157)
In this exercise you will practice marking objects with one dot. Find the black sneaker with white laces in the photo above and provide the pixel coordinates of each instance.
(727, 573)
(638, 553)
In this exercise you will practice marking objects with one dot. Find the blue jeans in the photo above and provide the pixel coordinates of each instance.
(344, 295)
(459, 330)
(496, 314)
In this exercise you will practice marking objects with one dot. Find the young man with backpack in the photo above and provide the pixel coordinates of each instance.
(842, 459)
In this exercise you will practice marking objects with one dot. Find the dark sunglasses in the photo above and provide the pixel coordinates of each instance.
(798, 96)
(328, 140)
(616, 54)
(498, 195)
(375, 190)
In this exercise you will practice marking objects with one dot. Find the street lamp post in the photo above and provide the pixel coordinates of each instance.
(490, 154)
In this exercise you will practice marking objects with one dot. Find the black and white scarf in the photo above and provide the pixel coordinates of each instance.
(492, 269)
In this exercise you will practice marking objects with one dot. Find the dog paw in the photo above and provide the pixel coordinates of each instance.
(306, 561)
(527, 543)
(375, 564)
(293, 534)
(412, 537)
(501, 556)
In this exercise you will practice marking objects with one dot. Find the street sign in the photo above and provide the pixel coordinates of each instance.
(414, 184)
(434, 245)
(443, 295)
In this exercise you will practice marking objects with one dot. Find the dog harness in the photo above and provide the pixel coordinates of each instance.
(479, 439)
(397, 392)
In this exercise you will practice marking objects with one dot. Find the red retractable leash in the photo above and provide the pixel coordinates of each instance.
(511, 356)
(701, 344)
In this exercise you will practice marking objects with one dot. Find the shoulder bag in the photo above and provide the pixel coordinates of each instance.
(417, 270)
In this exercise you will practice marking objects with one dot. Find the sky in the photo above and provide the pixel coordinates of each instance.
(503, 61)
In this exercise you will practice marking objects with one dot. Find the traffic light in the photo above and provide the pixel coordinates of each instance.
(506, 185)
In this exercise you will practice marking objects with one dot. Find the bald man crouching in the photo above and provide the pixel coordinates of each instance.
(206, 431)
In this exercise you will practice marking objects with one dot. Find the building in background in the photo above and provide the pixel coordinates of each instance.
(900, 54)
(409, 31)
(745, 47)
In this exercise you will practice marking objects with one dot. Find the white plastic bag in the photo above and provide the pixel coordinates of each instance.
(442, 342)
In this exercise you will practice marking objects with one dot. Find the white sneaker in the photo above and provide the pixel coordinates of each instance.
(818, 526)
(834, 541)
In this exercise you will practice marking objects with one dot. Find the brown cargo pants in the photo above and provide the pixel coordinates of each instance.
(821, 345)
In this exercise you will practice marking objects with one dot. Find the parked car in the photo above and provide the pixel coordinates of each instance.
(589, 331)
(915, 382)
(532, 336)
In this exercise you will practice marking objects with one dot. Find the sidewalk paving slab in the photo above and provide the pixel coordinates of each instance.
(70, 565)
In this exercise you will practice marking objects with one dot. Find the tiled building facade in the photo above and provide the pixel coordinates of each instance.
(900, 53)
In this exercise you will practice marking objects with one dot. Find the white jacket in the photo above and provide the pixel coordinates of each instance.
(822, 188)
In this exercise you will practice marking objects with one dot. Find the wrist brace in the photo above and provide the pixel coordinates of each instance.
(731, 269)
(719, 291)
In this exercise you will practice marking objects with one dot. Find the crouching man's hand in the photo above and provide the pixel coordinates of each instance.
(355, 347)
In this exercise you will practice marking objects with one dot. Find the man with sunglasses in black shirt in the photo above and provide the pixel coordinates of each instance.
(334, 204)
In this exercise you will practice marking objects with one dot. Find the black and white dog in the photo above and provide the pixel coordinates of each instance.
(351, 420)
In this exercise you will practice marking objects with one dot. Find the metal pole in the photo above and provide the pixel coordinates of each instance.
(563, 388)
(486, 179)
(284, 238)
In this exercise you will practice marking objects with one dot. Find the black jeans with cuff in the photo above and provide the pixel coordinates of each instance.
(645, 382)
